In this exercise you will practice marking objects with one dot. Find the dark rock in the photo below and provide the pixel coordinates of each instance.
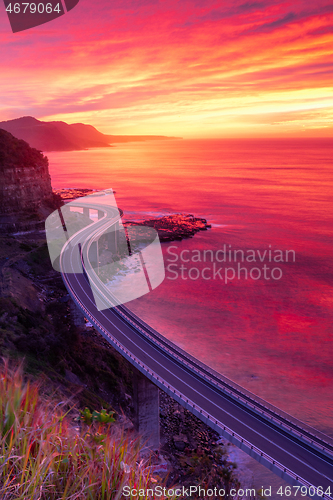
(70, 194)
(180, 442)
(72, 378)
(174, 227)
(26, 196)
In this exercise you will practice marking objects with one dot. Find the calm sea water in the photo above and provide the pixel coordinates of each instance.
(273, 336)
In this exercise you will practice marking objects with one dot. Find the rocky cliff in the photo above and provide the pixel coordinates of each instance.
(26, 196)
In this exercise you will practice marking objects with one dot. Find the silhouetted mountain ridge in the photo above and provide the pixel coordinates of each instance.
(60, 136)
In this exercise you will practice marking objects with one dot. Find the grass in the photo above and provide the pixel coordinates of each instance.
(44, 456)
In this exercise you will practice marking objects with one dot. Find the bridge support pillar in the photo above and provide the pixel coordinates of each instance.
(116, 236)
(146, 406)
(76, 314)
(112, 238)
(86, 211)
(94, 255)
(100, 214)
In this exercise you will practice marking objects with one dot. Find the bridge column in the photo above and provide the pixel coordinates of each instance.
(94, 256)
(76, 314)
(116, 235)
(146, 406)
(112, 238)
(86, 211)
(100, 214)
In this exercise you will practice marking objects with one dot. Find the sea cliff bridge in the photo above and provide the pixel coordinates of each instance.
(291, 449)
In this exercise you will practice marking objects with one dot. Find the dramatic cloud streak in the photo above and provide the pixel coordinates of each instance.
(190, 68)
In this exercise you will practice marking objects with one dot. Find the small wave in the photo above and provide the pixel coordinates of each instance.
(29, 232)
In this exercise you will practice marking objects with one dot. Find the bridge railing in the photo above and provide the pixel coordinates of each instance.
(196, 409)
(217, 380)
(193, 364)
(282, 419)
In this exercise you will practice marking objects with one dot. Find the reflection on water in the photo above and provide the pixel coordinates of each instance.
(273, 336)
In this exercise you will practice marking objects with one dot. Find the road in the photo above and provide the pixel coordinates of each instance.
(288, 447)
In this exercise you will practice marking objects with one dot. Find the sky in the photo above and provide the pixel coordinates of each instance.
(189, 68)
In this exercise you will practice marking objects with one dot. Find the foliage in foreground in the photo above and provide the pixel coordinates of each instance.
(44, 457)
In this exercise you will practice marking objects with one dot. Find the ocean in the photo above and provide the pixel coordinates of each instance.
(252, 297)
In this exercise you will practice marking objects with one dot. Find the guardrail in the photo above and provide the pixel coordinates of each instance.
(193, 364)
(289, 423)
(216, 379)
(222, 429)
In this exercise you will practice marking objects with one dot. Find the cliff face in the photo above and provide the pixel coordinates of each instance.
(26, 196)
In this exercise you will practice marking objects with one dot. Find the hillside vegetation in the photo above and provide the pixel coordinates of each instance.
(44, 457)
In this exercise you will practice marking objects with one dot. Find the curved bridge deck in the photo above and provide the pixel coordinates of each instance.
(289, 448)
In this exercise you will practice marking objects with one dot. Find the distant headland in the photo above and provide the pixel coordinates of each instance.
(60, 136)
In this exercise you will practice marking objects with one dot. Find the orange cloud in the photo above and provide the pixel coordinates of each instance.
(182, 68)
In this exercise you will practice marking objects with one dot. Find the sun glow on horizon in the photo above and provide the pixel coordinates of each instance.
(190, 70)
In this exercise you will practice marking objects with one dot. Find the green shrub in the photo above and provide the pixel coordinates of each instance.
(102, 417)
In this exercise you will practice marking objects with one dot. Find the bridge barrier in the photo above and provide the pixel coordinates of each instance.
(223, 430)
(282, 419)
(243, 398)
(269, 412)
